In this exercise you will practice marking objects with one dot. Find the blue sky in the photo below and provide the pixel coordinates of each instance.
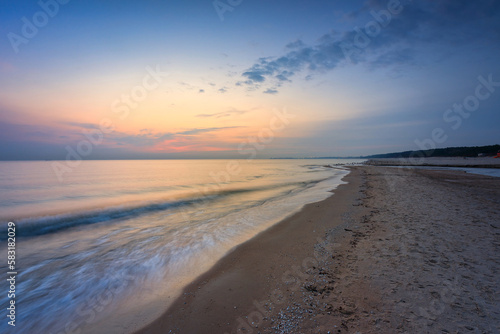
(359, 77)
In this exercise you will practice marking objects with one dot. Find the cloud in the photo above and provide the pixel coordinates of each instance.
(199, 131)
(145, 139)
(295, 45)
(271, 91)
(228, 113)
(32, 132)
(185, 84)
(141, 139)
(223, 90)
(398, 40)
(89, 126)
(392, 58)
(27, 141)
(201, 91)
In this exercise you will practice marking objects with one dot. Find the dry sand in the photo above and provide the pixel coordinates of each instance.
(393, 251)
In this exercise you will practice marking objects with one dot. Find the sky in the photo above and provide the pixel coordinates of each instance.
(246, 78)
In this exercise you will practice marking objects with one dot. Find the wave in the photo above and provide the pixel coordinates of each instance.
(49, 224)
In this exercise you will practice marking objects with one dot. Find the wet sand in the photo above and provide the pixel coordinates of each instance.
(393, 251)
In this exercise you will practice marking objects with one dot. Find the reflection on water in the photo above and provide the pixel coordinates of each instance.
(118, 236)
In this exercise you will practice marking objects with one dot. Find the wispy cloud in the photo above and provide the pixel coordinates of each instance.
(88, 126)
(420, 24)
(147, 138)
(204, 130)
(228, 113)
(271, 91)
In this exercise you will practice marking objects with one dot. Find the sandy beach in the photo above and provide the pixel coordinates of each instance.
(392, 251)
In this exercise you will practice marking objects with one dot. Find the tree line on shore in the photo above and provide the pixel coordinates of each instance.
(473, 151)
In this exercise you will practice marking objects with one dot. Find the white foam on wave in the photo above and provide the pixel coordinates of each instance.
(229, 232)
(108, 277)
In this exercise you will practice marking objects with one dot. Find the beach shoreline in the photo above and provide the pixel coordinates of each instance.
(370, 258)
(237, 268)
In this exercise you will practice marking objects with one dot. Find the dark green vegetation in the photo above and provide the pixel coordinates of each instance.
(474, 151)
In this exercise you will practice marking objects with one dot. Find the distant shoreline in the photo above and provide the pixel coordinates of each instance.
(475, 162)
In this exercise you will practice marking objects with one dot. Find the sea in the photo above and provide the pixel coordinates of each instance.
(108, 246)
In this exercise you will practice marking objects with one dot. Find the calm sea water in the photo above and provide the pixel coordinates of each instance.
(110, 246)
